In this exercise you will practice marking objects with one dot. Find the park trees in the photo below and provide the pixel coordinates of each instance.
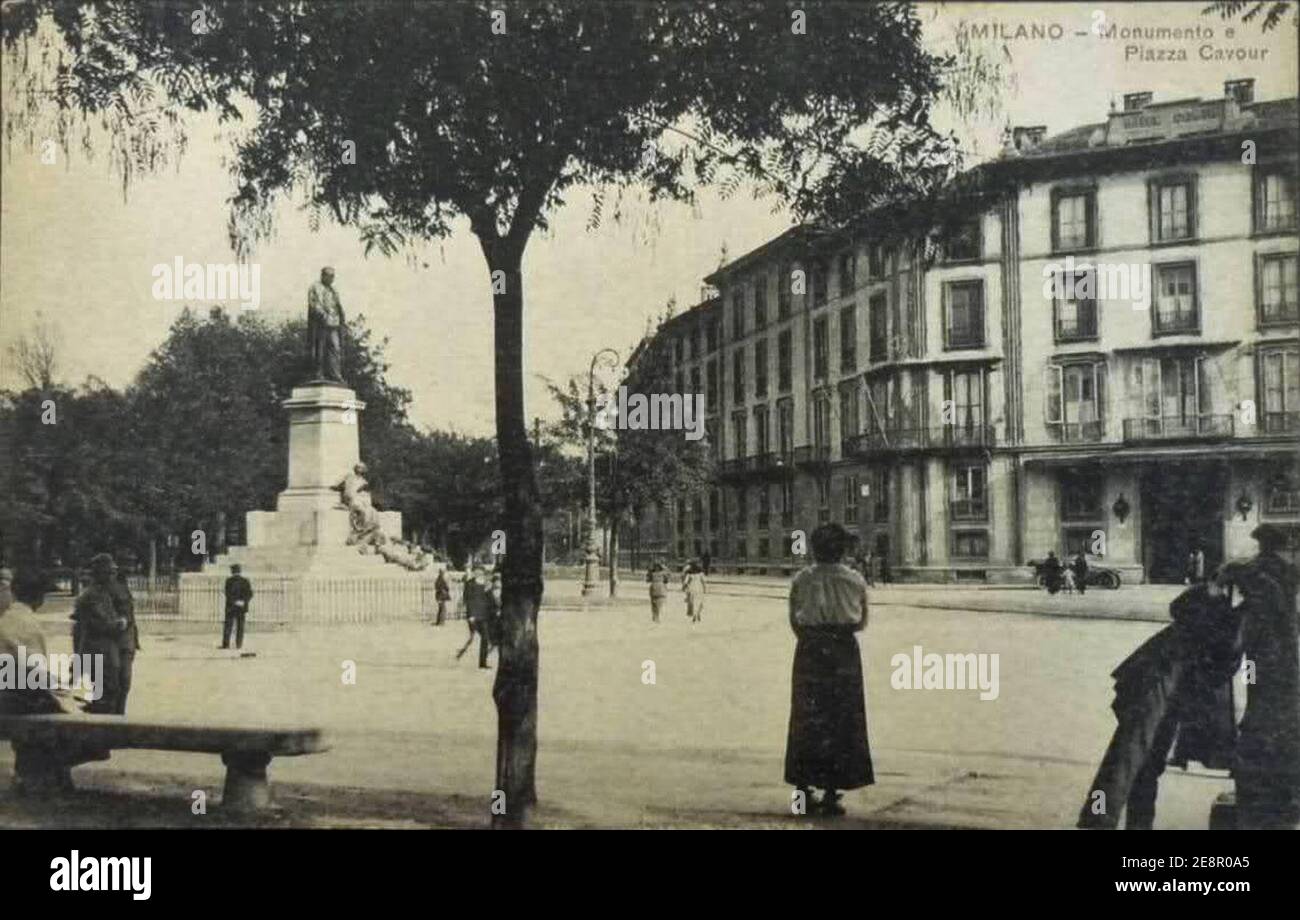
(407, 122)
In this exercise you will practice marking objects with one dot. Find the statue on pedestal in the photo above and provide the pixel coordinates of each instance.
(325, 326)
(354, 492)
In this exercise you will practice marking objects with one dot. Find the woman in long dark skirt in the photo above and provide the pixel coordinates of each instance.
(827, 743)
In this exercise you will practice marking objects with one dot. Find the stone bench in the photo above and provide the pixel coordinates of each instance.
(246, 752)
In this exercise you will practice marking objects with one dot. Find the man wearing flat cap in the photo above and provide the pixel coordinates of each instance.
(104, 624)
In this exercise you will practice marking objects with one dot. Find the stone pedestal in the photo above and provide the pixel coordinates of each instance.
(308, 530)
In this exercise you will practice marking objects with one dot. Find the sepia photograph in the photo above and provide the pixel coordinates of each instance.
(648, 415)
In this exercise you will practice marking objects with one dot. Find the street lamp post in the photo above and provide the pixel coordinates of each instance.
(592, 553)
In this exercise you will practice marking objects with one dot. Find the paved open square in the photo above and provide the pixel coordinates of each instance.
(702, 746)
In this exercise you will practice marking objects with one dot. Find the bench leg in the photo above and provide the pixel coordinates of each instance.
(39, 769)
(246, 787)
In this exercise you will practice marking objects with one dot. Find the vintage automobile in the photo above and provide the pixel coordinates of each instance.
(1098, 576)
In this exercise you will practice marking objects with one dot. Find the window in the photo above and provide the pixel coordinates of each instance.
(1081, 496)
(848, 339)
(711, 388)
(876, 262)
(1074, 307)
(970, 544)
(1074, 219)
(850, 499)
(679, 350)
(738, 313)
(964, 392)
(738, 376)
(1076, 401)
(822, 421)
(880, 493)
(1173, 210)
(764, 510)
(784, 374)
(760, 301)
(679, 382)
(1176, 306)
(787, 503)
(695, 380)
(821, 347)
(761, 445)
(785, 427)
(848, 412)
(784, 283)
(760, 367)
(878, 311)
(1172, 395)
(964, 311)
(1277, 289)
(1275, 199)
(742, 550)
(742, 509)
(1283, 492)
(739, 430)
(820, 281)
(1078, 540)
(846, 272)
(823, 499)
(965, 243)
(764, 548)
(711, 335)
(969, 499)
(697, 513)
(1279, 384)
(711, 436)
(715, 510)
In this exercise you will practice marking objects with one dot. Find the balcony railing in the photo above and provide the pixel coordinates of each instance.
(1279, 422)
(1077, 432)
(812, 455)
(1175, 427)
(968, 509)
(1282, 501)
(902, 439)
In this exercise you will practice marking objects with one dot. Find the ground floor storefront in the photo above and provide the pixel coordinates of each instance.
(980, 516)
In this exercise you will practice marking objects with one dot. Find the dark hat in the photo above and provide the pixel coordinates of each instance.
(1269, 536)
(102, 562)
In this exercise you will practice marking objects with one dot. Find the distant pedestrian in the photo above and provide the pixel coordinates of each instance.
(826, 745)
(1067, 579)
(480, 615)
(442, 594)
(1195, 569)
(694, 586)
(1052, 572)
(657, 578)
(239, 593)
(1080, 567)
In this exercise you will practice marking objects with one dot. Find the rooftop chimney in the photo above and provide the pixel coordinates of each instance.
(1136, 101)
(1243, 91)
(1026, 139)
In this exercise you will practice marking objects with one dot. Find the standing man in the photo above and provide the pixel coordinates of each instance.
(1080, 567)
(238, 594)
(442, 594)
(105, 625)
(694, 586)
(325, 328)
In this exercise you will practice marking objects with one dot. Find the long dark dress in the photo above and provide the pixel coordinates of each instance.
(826, 746)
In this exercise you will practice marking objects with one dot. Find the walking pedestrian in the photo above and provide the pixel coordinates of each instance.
(826, 744)
(480, 615)
(105, 625)
(442, 594)
(657, 578)
(694, 586)
(1080, 567)
(239, 592)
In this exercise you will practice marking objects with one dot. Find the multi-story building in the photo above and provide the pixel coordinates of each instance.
(1104, 357)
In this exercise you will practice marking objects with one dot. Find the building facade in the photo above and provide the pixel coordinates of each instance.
(1103, 358)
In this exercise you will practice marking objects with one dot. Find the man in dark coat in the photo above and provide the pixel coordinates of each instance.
(1052, 573)
(1178, 684)
(1080, 567)
(104, 618)
(1267, 766)
(239, 592)
(481, 606)
(442, 594)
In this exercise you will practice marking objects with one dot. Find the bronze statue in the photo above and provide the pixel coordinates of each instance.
(325, 326)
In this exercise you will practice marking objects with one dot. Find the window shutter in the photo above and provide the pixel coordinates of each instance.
(1056, 221)
(1052, 391)
(1153, 210)
(1092, 219)
(1192, 211)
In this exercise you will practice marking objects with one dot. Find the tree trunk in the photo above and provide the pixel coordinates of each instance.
(515, 687)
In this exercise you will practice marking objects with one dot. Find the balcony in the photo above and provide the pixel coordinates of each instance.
(968, 509)
(731, 469)
(812, 455)
(1178, 428)
(1279, 423)
(1078, 432)
(947, 437)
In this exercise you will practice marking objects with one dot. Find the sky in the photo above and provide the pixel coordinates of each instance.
(74, 251)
